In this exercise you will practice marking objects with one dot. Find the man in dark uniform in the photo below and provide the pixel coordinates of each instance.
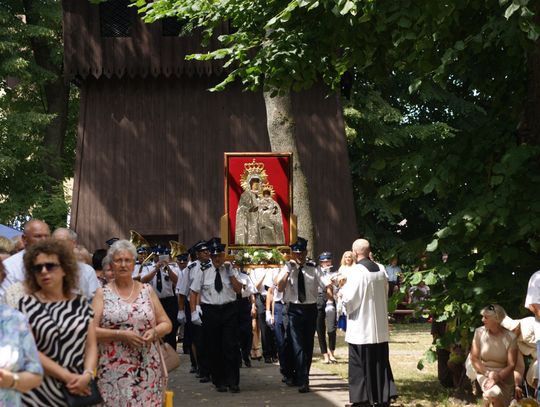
(202, 263)
(246, 307)
(217, 288)
(299, 280)
(163, 278)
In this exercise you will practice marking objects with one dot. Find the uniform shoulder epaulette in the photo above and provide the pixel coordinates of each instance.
(206, 266)
(191, 265)
(311, 263)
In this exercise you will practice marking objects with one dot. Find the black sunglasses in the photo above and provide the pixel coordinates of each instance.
(37, 268)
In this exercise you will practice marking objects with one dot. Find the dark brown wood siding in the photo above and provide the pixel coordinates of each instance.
(145, 53)
(150, 158)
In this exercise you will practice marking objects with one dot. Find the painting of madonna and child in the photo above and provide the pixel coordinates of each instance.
(258, 189)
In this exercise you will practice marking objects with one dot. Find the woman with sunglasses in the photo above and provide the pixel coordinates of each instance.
(61, 322)
(129, 319)
(493, 357)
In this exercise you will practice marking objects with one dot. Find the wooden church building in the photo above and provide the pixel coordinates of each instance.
(151, 138)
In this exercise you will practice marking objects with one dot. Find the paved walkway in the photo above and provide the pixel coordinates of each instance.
(260, 385)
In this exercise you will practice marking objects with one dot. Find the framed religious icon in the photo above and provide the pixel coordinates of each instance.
(258, 200)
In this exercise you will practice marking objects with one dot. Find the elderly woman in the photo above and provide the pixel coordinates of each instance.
(129, 319)
(61, 323)
(20, 370)
(493, 357)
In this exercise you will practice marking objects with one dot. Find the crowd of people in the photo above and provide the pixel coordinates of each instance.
(70, 330)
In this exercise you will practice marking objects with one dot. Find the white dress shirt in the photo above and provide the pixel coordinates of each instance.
(14, 268)
(203, 283)
(256, 275)
(248, 288)
(277, 295)
(532, 297)
(139, 271)
(88, 281)
(187, 278)
(313, 279)
(167, 286)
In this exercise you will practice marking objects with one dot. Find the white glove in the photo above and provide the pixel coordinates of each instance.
(181, 317)
(196, 318)
(198, 309)
(269, 319)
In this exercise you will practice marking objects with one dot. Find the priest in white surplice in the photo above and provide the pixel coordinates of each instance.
(365, 298)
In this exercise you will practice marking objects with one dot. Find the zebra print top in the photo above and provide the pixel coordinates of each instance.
(60, 330)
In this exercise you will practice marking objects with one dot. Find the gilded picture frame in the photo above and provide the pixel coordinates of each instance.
(258, 195)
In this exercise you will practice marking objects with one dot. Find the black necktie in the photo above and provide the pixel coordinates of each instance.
(159, 284)
(301, 286)
(218, 284)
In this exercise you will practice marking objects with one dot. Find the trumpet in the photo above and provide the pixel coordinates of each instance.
(139, 241)
(177, 249)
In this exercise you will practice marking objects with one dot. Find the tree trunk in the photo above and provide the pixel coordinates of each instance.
(281, 131)
(55, 94)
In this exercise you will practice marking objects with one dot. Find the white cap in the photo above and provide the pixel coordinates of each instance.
(509, 323)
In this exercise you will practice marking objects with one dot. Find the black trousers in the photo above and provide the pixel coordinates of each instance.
(245, 334)
(220, 324)
(322, 329)
(170, 305)
(268, 340)
(188, 335)
(200, 348)
(301, 331)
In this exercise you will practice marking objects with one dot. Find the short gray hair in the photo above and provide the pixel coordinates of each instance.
(121, 245)
(106, 261)
(70, 234)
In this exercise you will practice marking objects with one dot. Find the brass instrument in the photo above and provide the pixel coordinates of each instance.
(139, 241)
(177, 248)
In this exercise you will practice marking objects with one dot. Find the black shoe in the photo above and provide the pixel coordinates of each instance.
(221, 389)
(193, 369)
(267, 360)
(275, 360)
(234, 388)
(247, 363)
(204, 379)
(291, 382)
(303, 389)
(198, 375)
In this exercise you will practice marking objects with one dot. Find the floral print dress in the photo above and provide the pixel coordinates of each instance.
(129, 377)
(18, 352)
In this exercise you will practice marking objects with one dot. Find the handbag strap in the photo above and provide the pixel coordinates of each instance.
(157, 342)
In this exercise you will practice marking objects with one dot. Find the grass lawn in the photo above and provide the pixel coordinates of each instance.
(416, 388)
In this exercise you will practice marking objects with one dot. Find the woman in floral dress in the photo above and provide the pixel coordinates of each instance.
(130, 319)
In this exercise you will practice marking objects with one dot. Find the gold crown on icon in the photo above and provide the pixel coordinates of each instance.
(253, 170)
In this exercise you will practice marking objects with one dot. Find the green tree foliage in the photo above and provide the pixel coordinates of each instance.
(439, 125)
(444, 139)
(37, 129)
